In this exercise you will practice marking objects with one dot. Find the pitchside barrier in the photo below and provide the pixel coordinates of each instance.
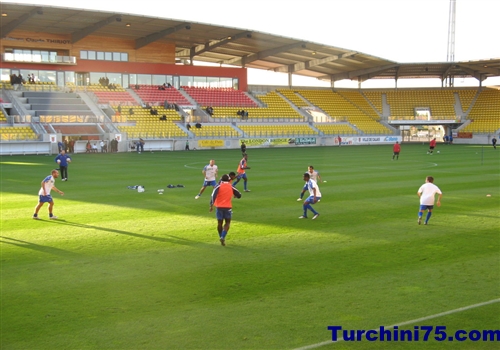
(49, 144)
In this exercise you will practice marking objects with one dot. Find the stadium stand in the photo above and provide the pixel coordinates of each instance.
(40, 86)
(336, 129)
(276, 108)
(103, 88)
(17, 133)
(56, 103)
(485, 114)
(208, 130)
(111, 97)
(152, 95)
(293, 97)
(403, 103)
(375, 98)
(341, 109)
(218, 97)
(6, 85)
(147, 126)
(278, 130)
(467, 98)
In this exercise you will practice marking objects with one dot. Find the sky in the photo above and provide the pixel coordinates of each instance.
(405, 31)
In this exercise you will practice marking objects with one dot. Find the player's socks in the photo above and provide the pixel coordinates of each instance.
(223, 234)
(428, 217)
(308, 206)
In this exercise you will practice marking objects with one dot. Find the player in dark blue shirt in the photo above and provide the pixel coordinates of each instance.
(63, 160)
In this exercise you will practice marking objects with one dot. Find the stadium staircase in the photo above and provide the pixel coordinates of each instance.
(295, 106)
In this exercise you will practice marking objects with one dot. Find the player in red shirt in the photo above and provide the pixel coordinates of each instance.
(396, 149)
(222, 200)
(432, 144)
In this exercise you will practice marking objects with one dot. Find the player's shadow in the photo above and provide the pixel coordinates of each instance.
(36, 247)
(173, 239)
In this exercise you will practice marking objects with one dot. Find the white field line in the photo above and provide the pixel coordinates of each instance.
(317, 345)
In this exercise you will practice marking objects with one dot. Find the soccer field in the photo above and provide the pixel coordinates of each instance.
(128, 270)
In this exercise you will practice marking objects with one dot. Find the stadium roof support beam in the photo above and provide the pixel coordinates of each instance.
(242, 61)
(308, 64)
(198, 50)
(482, 69)
(446, 72)
(80, 34)
(6, 29)
(361, 72)
(474, 73)
(141, 42)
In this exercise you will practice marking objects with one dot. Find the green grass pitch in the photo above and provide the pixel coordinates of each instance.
(128, 270)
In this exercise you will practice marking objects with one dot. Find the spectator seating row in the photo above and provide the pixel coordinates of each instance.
(403, 102)
(215, 97)
(340, 108)
(215, 131)
(281, 130)
(63, 118)
(17, 133)
(293, 97)
(276, 107)
(152, 95)
(148, 125)
(103, 88)
(112, 97)
(336, 129)
(485, 114)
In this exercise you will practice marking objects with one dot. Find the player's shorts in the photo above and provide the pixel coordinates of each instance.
(223, 213)
(431, 147)
(396, 153)
(426, 207)
(45, 199)
(209, 183)
(241, 176)
(310, 199)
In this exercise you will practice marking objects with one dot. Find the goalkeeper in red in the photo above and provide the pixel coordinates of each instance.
(222, 200)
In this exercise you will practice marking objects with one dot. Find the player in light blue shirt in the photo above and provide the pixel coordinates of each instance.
(210, 172)
(314, 196)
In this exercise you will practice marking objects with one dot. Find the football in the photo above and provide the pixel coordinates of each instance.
(437, 151)
(58, 161)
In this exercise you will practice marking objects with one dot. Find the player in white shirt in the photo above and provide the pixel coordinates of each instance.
(427, 193)
(210, 172)
(314, 174)
(44, 196)
(314, 196)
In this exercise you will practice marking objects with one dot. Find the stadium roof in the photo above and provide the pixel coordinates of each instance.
(231, 46)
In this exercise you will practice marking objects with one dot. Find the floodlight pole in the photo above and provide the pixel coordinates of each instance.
(451, 37)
